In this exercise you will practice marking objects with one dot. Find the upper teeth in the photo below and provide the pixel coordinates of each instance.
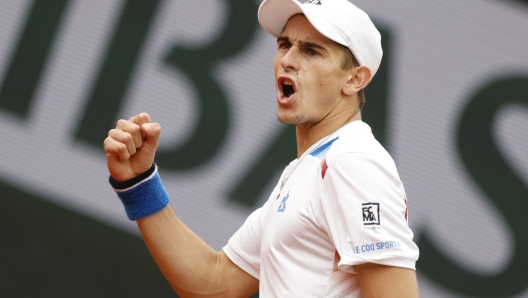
(287, 82)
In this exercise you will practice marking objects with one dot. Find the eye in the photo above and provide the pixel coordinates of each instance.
(312, 53)
(284, 45)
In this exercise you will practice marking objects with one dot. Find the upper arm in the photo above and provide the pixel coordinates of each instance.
(386, 281)
(238, 281)
(230, 281)
(239, 261)
(363, 210)
(243, 248)
(190, 266)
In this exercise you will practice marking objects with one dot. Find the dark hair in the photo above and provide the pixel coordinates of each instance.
(349, 61)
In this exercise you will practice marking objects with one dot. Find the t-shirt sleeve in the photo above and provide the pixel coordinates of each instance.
(243, 247)
(363, 208)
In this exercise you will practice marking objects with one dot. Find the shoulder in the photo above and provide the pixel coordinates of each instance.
(356, 144)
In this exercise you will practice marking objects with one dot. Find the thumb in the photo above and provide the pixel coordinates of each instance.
(151, 134)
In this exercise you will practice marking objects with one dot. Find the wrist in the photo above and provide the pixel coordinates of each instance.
(142, 195)
(120, 185)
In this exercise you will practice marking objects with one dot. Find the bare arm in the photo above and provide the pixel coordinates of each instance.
(379, 281)
(192, 267)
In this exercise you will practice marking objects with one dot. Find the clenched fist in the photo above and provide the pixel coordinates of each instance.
(130, 147)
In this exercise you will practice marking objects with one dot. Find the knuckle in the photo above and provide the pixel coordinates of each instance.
(144, 115)
(109, 144)
(135, 129)
(127, 137)
(121, 122)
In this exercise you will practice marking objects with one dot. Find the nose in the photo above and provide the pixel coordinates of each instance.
(290, 61)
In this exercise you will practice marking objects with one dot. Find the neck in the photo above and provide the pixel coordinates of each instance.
(308, 134)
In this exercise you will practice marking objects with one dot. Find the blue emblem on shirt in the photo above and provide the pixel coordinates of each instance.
(282, 205)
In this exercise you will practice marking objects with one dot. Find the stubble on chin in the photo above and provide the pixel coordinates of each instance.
(290, 119)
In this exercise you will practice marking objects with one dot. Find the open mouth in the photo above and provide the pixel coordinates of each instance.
(287, 86)
(287, 90)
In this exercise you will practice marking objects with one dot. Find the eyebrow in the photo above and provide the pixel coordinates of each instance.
(301, 43)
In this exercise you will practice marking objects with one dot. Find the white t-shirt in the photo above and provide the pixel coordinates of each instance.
(343, 205)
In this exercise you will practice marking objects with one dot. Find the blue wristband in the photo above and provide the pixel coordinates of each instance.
(145, 197)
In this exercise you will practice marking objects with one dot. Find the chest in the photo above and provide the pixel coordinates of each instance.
(292, 219)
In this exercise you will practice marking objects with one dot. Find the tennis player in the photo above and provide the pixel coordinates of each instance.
(336, 223)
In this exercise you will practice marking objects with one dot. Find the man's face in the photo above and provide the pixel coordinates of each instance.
(308, 74)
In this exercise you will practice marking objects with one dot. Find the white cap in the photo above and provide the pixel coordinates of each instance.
(339, 20)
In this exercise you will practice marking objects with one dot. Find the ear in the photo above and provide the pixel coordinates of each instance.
(357, 79)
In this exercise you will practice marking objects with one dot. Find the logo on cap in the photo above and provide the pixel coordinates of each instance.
(316, 2)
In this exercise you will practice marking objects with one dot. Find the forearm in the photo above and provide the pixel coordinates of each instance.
(188, 263)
